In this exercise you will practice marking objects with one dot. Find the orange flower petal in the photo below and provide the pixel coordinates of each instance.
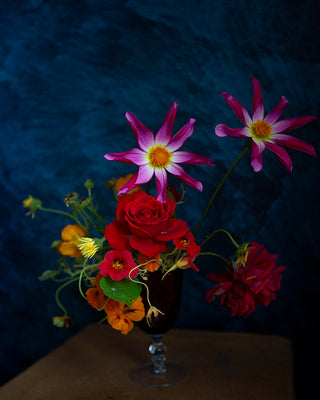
(120, 323)
(69, 249)
(136, 311)
(72, 232)
(152, 265)
(96, 298)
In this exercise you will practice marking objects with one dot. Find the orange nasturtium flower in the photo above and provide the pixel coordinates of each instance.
(152, 264)
(95, 295)
(121, 317)
(70, 239)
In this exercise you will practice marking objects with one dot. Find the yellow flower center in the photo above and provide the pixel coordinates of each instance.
(159, 156)
(184, 243)
(261, 129)
(118, 265)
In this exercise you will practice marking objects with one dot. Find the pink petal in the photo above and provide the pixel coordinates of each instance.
(145, 173)
(165, 132)
(294, 143)
(171, 115)
(291, 123)
(240, 111)
(143, 135)
(190, 158)
(256, 155)
(180, 137)
(281, 155)
(257, 103)
(131, 184)
(274, 114)
(161, 183)
(179, 172)
(133, 156)
(222, 130)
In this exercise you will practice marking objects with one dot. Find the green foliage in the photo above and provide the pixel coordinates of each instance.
(48, 274)
(125, 290)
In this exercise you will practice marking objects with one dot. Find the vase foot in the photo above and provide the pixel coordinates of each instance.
(146, 376)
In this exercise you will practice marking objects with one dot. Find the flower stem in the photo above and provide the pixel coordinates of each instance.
(220, 230)
(63, 213)
(210, 253)
(247, 146)
(59, 290)
(98, 216)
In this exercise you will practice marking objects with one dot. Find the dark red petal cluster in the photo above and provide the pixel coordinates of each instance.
(248, 285)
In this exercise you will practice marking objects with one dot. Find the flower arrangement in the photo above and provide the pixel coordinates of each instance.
(112, 259)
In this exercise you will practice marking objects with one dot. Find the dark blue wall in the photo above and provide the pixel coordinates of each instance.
(69, 70)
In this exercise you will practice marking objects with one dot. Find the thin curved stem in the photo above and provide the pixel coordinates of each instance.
(57, 294)
(247, 146)
(51, 210)
(217, 231)
(210, 253)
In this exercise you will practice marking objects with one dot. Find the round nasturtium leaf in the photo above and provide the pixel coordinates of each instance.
(125, 290)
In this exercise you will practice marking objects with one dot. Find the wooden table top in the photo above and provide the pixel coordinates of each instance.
(95, 364)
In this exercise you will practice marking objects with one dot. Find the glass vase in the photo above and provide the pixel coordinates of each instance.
(165, 296)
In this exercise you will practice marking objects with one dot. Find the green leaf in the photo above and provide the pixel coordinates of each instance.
(48, 274)
(125, 290)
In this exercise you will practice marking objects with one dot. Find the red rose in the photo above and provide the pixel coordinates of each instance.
(249, 284)
(144, 224)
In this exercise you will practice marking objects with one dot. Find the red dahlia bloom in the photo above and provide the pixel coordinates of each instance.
(253, 283)
(144, 224)
(118, 265)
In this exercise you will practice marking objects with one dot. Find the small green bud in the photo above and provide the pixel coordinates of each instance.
(88, 184)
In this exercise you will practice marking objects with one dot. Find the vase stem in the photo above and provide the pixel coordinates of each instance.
(157, 350)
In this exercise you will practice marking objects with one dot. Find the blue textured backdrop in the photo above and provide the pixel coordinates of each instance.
(69, 70)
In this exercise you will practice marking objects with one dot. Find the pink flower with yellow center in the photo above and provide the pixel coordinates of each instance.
(265, 131)
(157, 154)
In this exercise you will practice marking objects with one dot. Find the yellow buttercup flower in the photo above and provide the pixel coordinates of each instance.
(33, 205)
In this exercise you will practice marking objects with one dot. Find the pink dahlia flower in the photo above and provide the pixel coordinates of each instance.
(251, 282)
(265, 131)
(157, 154)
